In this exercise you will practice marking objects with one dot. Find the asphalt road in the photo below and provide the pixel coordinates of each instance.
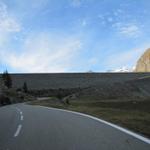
(25, 127)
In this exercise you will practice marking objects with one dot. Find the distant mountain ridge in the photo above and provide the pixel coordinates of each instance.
(122, 69)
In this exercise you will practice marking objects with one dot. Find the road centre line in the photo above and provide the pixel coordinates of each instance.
(18, 130)
(21, 117)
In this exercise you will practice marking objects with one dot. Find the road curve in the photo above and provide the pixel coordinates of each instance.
(25, 127)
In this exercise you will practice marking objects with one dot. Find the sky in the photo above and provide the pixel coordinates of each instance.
(72, 35)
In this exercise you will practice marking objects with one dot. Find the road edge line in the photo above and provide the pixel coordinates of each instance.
(140, 137)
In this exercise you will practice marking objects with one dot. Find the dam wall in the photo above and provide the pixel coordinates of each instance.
(71, 80)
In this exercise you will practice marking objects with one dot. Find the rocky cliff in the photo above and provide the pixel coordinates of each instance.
(143, 64)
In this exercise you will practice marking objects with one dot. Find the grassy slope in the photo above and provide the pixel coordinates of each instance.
(132, 115)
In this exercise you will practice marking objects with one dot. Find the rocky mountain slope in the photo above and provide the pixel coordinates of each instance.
(143, 64)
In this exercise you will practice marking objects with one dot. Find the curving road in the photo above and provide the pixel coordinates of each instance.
(25, 127)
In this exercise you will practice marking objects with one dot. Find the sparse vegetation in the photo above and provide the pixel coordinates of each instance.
(10, 95)
(4, 100)
(25, 87)
(7, 79)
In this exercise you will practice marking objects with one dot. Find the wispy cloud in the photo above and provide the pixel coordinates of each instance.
(8, 25)
(44, 53)
(110, 19)
(130, 30)
(118, 12)
(93, 61)
(84, 22)
(7, 22)
(76, 3)
(29, 42)
(127, 58)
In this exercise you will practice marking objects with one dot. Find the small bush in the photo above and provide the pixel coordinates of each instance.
(4, 100)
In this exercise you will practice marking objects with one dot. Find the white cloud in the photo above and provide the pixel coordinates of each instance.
(127, 58)
(44, 53)
(8, 25)
(84, 23)
(7, 22)
(118, 12)
(32, 4)
(3, 9)
(93, 61)
(130, 30)
(76, 3)
(110, 19)
(106, 18)
(100, 16)
(122, 69)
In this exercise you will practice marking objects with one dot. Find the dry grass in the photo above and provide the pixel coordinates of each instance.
(134, 115)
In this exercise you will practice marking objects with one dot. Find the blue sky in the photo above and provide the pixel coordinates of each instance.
(72, 35)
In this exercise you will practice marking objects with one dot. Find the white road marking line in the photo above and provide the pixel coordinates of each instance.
(18, 109)
(144, 139)
(21, 117)
(18, 130)
(20, 113)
